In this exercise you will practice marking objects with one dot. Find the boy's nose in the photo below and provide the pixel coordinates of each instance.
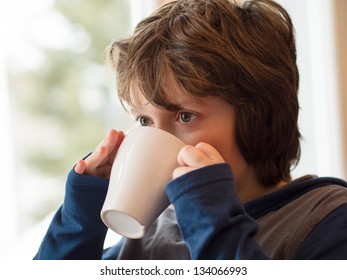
(166, 128)
(170, 129)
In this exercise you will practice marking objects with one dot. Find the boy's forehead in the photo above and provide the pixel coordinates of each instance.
(174, 97)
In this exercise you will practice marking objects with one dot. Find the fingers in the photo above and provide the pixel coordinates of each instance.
(191, 158)
(201, 155)
(211, 152)
(95, 159)
(114, 144)
(80, 167)
(102, 156)
(110, 141)
(181, 170)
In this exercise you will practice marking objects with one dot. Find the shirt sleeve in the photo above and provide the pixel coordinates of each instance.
(211, 217)
(77, 231)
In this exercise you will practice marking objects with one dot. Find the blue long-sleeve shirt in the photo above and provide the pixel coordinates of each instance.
(209, 221)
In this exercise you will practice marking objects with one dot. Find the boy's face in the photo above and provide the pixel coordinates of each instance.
(205, 119)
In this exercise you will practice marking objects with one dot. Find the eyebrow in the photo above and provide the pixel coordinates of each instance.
(173, 107)
(168, 106)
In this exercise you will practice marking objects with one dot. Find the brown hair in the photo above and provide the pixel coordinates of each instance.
(244, 54)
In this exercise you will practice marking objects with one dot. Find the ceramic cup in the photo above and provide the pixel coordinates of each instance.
(142, 168)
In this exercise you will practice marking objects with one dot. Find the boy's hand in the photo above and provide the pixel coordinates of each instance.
(191, 158)
(99, 163)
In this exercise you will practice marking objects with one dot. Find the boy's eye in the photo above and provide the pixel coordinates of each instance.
(143, 121)
(185, 117)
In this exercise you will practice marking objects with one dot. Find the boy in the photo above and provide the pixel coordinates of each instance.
(223, 78)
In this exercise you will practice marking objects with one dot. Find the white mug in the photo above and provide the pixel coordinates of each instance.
(143, 166)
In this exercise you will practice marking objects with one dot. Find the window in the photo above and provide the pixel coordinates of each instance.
(57, 101)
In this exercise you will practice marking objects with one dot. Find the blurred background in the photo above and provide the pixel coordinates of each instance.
(58, 99)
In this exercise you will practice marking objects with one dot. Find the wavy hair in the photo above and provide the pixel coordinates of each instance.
(242, 53)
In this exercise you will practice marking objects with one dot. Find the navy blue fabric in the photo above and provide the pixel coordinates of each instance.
(213, 221)
(76, 231)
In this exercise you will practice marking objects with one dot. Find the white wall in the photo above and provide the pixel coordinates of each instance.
(318, 94)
